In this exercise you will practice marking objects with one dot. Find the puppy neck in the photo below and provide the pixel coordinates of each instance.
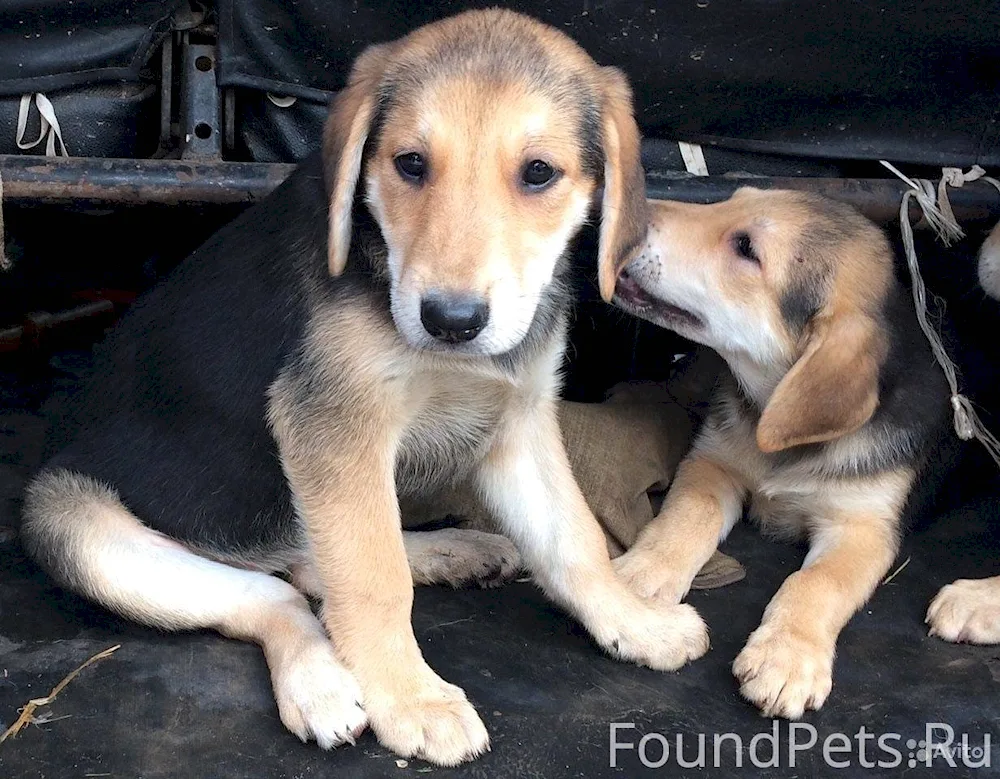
(754, 382)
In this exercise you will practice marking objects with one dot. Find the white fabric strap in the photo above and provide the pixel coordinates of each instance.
(49, 130)
(694, 159)
(966, 422)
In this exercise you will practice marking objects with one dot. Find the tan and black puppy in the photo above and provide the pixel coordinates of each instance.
(391, 320)
(833, 406)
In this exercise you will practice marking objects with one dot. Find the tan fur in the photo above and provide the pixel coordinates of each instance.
(476, 135)
(820, 386)
(344, 138)
(786, 666)
(967, 610)
(525, 474)
(624, 212)
(832, 390)
(484, 198)
(343, 478)
(686, 532)
(184, 589)
(394, 419)
(110, 551)
(450, 556)
(369, 404)
(358, 561)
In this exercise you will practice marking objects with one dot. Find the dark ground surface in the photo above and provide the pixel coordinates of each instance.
(200, 705)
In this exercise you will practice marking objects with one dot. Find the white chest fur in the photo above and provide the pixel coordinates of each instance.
(451, 419)
(791, 495)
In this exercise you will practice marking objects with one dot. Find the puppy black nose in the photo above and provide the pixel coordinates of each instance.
(453, 318)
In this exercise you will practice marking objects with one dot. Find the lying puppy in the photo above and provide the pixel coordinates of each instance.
(392, 319)
(968, 610)
(834, 405)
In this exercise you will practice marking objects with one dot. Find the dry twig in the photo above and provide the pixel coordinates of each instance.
(27, 713)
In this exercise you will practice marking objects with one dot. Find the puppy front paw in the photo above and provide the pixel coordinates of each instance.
(658, 636)
(318, 698)
(967, 611)
(644, 572)
(784, 672)
(435, 722)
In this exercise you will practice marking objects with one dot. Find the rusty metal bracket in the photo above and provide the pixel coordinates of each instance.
(200, 103)
(166, 95)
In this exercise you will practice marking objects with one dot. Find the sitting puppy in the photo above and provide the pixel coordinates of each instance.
(833, 407)
(391, 320)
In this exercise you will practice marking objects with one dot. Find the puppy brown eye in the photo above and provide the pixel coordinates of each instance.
(537, 175)
(743, 246)
(411, 167)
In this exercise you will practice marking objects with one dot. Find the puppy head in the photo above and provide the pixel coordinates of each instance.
(481, 142)
(789, 287)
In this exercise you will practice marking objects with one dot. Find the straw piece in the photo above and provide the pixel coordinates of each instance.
(28, 711)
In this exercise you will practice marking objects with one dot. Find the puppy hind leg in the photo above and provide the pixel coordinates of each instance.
(453, 556)
(457, 557)
(93, 544)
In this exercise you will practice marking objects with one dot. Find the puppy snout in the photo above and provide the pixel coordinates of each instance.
(453, 317)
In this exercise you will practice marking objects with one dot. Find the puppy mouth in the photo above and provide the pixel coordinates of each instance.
(631, 296)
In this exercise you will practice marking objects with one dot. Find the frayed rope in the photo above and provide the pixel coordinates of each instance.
(938, 212)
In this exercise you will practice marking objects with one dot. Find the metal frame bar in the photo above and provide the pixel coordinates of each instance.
(878, 199)
(69, 180)
(29, 179)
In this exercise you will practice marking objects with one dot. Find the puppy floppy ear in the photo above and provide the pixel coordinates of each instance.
(833, 388)
(624, 211)
(344, 137)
